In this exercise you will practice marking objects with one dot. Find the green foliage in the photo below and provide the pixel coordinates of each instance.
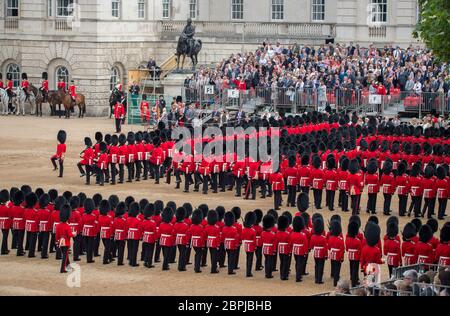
(433, 27)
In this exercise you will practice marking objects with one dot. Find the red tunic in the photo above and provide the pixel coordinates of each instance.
(372, 183)
(392, 251)
(105, 224)
(409, 252)
(282, 242)
(63, 234)
(18, 222)
(353, 245)
(212, 236)
(31, 217)
(317, 179)
(277, 181)
(119, 228)
(424, 252)
(442, 255)
(198, 236)
(148, 228)
(180, 231)
(230, 237)
(298, 242)
(119, 111)
(166, 233)
(5, 217)
(89, 223)
(336, 248)
(370, 255)
(387, 183)
(319, 245)
(330, 178)
(133, 228)
(45, 220)
(249, 239)
(304, 176)
(268, 242)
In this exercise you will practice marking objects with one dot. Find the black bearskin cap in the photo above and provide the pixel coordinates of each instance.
(108, 139)
(82, 197)
(387, 167)
(291, 161)
(44, 75)
(335, 228)
(372, 234)
(283, 223)
(429, 171)
(129, 200)
(237, 212)
(39, 192)
(302, 202)
(353, 166)
(98, 137)
(373, 219)
(25, 189)
(31, 200)
(64, 213)
(445, 233)
(392, 230)
(4, 196)
(417, 223)
(305, 160)
(318, 226)
(401, 168)
(345, 164)
(97, 198)
(24, 76)
(268, 222)
(120, 209)
(316, 162)
(149, 210)
(167, 215)
(122, 139)
(229, 219)
(180, 214)
(67, 195)
(415, 170)
(156, 141)
(61, 136)
(433, 223)
(87, 142)
(212, 217)
(104, 207)
(331, 162)
(336, 217)
(298, 224)
(220, 212)
(250, 219)
(143, 203)
(259, 215)
(352, 229)
(409, 231)
(357, 219)
(197, 217)
(373, 145)
(74, 202)
(392, 219)
(89, 205)
(59, 202)
(133, 209)
(425, 233)
(441, 172)
(114, 140)
(44, 200)
(131, 138)
(372, 166)
(273, 213)
(113, 201)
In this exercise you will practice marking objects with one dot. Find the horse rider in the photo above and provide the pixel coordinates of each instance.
(9, 86)
(62, 85)
(73, 92)
(1, 81)
(44, 86)
(188, 35)
(25, 85)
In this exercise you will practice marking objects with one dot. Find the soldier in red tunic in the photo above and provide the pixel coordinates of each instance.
(139, 155)
(373, 186)
(60, 153)
(443, 187)
(181, 229)
(403, 187)
(87, 160)
(167, 238)
(304, 174)
(424, 248)
(5, 220)
(105, 225)
(443, 249)
(119, 114)
(258, 229)
(392, 247)
(75, 225)
(44, 87)
(343, 183)
(415, 181)
(408, 246)
(198, 235)
(156, 159)
(268, 244)
(336, 249)
(212, 232)
(353, 246)
(89, 224)
(299, 245)
(283, 247)
(387, 182)
(331, 181)
(276, 180)
(230, 238)
(429, 190)
(319, 246)
(18, 223)
(119, 232)
(317, 181)
(61, 85)
(355, 183)
(291, 176)
(133, 230)
(370, 252)
(131, 151)
(101, 164)
(123, 156)
(249, 240)
(31, 218)
(45, 224)
(63, 236)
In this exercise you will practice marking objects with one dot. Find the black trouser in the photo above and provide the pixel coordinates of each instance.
(76, 247)
(187, 181)
(206, 180)
(239, 181)
(52, 243)
(304, 265)
(343, 198)
(258, 253)
(100, 175)
(177, 174)
(133, 245)
(336, 271)
(106, 173)
(157, 251)
(118, 125)
(231, 254)
(148, 249)
(249, 263)
(305, 189)
(19, 237)
(80, 167)
(213, 255)
(214, 183)
(277, 199)
(61, 165)
(156, 170)
(274, 264)
(166, 257)
(292, 192)
(354, 272)
(197, 258)
(222, 181)
(182, 250)
(317, 198)
(268, 265)
(284, 266)
(44, 249)
(120, 245)
(442, 207)
(387, 203)
(97, 245)
(318, 269)
(121, 173)
(27, 240)
(88, 173)
(329, 195)
(204, 256)
(236, 258)
(429, 206)
(130, 169)
(173, 254)
(416, 202)
(299, 267)
(138, 169)
(5, 234)
(197, 181)
(355, 204)
(113, 173)
(188, 254)
(90, 241)
(221, 255)
(402, 203)
(107, 250)
(372, 202)
(146, 169)
(32, 238)
(65, 258)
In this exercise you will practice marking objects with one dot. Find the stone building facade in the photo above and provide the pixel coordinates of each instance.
(96, 42)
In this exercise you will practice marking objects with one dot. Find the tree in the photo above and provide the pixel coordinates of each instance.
(433, 27)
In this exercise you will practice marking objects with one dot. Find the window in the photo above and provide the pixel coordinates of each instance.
(318, 10)
(114, 78)
(61, 72)
(12, 8)
(277, 9)
(14, 71)
(237, 9)
(193, 9)
(115, 8)
(49, 8)
(64, 7)
(379, 10)
(166, 9)
(141, 9)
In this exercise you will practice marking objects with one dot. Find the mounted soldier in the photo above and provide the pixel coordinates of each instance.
(188, 36)
(187, 45)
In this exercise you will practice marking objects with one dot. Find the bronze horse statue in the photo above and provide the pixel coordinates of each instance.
(184, 49)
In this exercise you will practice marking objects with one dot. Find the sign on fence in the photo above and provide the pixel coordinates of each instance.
(233, 93)
(375, 99)
(209, 89)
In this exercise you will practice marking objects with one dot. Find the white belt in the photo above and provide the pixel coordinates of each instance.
(134, 229)
(267, 245)
(4, 218)
(165, 235)
(17, 219)
(183, 235)
(30, 221)
(392, 254)
(147, 233)
(409, 255)
(334, 249)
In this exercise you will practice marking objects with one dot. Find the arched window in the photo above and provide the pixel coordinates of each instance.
(14, 71)
(114, 78)
(61, 72)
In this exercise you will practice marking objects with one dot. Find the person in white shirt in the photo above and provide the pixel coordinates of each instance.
(417, 87)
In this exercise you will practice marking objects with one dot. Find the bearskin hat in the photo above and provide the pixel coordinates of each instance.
(143, 203)
(167, 215)
(318, 225)
(149, 210)
(97, 198)
(345, 164)
(392, 229)
(45, 75)
(316, 162)
(74, 202)
(138, 137)
(372, 166)
(64, 213)
(131, 138)
(53, 194)
(104, 207)
(237, 212)
(387, 167)
(373, 219)
(395, 147)
(425, 233)
(372, 234)
(44, 200)
(433, 223)
(415, 170)
(204, 209)
(291, 161)
(31, 200)
(120, 209)
(25, 189)
(103, 147)
(220, 212)
(180, 214)
(60, 201)
(331, 162)
(229, 219)
(392, 219)
(108, 139)
(268, 222)
(67, 195)
(298, 224)
(133, 209)
(159, 206)
(302, 202)
(61, 136)
(409, 231)
(429, 171)
(283, 223)
(353, 166)
(4, 196)
(113, 201)
(24, 76)
(39, 192)
(305, 160)
(258, 216)
(98, 137)
(81, 197)
(417, 223)
(114, 140)
(445, 233)
(212, 217)
(89, 205)
(336, 217)
(352, 229)
(273, 213)
(197, 217)
(122, 139)
(441, 172)
(250, 219)
(401, 168)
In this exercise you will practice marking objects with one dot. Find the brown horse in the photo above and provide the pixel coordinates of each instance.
(39, 98)
(79, 101)
(55, 98)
